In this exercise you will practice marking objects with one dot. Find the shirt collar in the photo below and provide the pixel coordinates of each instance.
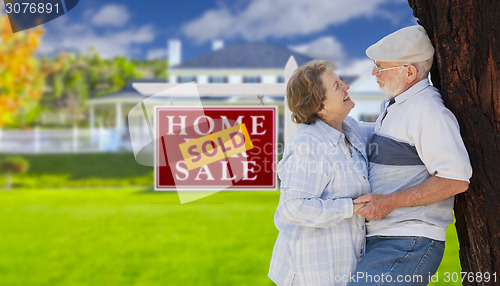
(333, 134)
(329, 132)
(414, 89)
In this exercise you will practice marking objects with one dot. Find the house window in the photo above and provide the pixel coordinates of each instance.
(251, 79)
(184, 79)
(280, 79)
(217, 79)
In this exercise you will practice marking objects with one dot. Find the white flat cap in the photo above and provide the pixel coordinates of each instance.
(410, 44)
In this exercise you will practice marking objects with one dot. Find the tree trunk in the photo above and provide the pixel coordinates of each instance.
(466, 70)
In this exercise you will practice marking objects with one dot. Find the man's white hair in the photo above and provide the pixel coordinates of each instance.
(423, 68)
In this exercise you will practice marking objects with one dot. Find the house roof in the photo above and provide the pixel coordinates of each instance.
(126, 95)
(209, 92)
(245, 55)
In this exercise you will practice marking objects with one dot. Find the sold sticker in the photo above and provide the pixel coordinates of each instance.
(216, 146)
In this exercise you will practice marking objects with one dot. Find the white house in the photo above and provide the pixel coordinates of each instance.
(260, 65)
(235, 63)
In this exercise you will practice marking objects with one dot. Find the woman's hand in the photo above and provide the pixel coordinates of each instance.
(377, 206)
(357, 207)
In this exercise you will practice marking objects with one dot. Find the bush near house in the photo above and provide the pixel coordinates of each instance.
(13, 165)
(83, 170)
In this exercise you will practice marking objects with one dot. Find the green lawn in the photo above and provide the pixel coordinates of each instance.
(450, 263)
(64, 226)
(139, 237)
(134, 237)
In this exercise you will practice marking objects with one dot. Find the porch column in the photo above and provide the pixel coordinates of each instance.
(92, 121)
(119, 119)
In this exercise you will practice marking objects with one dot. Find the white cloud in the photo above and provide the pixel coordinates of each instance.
(327, 48)
(64, 35)
(355, 67)
(154, 54)
(111, 15)
(278, 18)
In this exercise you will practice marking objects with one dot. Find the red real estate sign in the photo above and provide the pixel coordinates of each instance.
(215, 148)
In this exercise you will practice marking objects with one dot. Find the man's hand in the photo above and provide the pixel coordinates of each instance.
(376, 206)
(432, 190)
(357, 207)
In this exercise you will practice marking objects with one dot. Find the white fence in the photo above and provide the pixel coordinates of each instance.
(65, 140)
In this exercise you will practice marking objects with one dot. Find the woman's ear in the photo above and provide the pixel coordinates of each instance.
(321, 113)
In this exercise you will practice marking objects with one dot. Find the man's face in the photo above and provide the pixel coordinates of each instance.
(391, 82)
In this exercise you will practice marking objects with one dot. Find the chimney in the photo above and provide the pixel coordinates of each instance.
(217, 44)
(174, 52)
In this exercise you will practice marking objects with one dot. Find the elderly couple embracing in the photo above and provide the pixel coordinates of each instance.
(368, 204)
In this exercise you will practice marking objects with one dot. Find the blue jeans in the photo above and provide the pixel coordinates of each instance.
(399, 260)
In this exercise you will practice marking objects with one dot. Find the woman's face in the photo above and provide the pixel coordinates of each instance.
(337, 103)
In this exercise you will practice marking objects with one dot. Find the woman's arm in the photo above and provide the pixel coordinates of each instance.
(304, 175)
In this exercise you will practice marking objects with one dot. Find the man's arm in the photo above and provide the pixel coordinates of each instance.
(365, 130)
(432, 190)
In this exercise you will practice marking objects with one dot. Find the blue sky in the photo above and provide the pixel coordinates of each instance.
(339, 30)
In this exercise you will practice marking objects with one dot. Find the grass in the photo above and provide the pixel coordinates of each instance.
(139, 237)
(450, 263)
(133, 236)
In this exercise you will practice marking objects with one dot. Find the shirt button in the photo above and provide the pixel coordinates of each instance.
(363, 227)
(364, 178)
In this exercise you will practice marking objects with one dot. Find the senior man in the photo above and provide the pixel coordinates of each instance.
(417, 163)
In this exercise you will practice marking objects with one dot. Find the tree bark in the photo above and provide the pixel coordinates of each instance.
(466, 71)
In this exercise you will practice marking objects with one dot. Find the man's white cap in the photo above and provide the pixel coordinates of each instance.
(410, 45)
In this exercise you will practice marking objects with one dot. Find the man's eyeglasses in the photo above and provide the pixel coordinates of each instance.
(379, 70)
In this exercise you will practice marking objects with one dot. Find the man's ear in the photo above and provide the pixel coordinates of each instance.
(411, 73)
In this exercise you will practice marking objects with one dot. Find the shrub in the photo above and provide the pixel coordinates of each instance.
(13, 165)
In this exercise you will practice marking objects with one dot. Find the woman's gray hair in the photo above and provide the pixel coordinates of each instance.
(305, 91)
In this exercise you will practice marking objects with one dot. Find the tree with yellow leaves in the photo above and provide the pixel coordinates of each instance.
(21, 77)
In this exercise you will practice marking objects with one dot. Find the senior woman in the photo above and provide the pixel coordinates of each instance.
(324, 167)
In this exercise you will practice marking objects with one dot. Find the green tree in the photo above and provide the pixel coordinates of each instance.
(21, 77)
(73, 79)
(156, 69)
